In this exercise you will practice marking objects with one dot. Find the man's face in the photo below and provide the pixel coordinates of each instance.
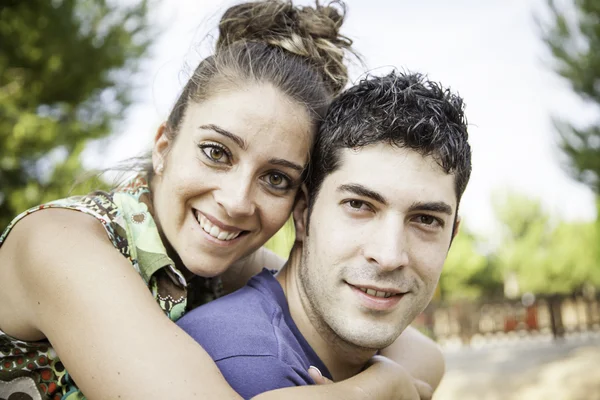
(379, 233)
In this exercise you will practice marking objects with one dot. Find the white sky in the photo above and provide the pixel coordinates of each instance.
(489, 51)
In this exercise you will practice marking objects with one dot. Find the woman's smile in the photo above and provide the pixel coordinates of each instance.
(218, 230)
(229, 176)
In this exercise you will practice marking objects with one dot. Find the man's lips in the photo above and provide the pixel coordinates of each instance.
(377, 291)
(377, 298)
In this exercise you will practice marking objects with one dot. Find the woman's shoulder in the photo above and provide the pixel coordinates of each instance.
(44, 223)
(42, 253)
(97, 205)
(241, 271)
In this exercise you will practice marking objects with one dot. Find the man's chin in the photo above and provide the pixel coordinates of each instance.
(370, 340)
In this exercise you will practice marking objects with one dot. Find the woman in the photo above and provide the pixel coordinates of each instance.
(76, 318)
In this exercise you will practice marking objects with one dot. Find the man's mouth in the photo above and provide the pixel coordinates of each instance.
(379, 298)
(216, 231)
(381, 292)
(376, 293)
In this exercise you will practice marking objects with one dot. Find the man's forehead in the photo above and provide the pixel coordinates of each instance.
(397, 174)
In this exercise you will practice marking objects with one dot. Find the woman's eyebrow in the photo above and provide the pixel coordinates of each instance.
(238, 140)
(244, 146)
(285, 163)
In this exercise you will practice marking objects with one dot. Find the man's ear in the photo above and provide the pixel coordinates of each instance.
(300, 213)
(456, 227)
(160, 148)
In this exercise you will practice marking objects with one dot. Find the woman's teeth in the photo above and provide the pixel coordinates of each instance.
(215, 231)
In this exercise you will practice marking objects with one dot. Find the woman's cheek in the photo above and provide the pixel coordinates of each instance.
(277, 213)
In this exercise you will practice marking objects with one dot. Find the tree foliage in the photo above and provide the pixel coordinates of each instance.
(66, 79)
(281, 243)
(574, 40)
(468, 273)
(546, 258)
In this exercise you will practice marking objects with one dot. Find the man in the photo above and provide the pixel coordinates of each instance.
(390, 165)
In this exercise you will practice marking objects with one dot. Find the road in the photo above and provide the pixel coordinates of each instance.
(525, 369)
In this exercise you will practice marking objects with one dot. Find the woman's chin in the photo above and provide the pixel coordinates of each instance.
(209, 267)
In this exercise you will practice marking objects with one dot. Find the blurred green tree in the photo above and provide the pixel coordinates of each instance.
(66, 78)
(574, 40)
(281, 243)
(545, 258)
(468, 273)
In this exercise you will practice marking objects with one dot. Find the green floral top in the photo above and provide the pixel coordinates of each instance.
(33, 370)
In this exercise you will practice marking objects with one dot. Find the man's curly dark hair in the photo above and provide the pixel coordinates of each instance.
(403, 109)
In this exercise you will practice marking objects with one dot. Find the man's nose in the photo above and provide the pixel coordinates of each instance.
(388, 247)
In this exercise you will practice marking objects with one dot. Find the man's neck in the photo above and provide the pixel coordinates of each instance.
(341, 358)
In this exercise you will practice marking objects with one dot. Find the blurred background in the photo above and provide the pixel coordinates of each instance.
(84, 84)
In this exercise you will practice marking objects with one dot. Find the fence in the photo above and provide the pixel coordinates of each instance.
(557, 315)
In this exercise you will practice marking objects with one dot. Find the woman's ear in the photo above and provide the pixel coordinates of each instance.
(300, 213)
(160, 148)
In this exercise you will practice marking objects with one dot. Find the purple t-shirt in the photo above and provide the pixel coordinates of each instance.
(253, 339)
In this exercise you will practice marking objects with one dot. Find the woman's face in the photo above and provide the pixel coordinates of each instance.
(231, 175)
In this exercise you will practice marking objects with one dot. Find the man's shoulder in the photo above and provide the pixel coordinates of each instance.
(251, 336)
(239, 324)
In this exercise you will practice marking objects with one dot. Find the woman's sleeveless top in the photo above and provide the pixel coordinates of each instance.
(33, 370)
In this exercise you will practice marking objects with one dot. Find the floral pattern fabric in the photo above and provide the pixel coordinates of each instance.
(33, 370)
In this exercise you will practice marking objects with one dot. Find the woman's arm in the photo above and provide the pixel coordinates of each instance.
(383, 379)
(419, 355)
(68, 283)
(75, 288)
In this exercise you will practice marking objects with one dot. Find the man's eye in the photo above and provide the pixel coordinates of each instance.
(355, 204)
(427, 219)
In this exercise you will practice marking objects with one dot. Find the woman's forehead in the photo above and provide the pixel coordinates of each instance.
(258, 118)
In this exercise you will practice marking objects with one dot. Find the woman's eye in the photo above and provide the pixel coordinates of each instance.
(215, 153)
(275, 179)
(278, 181)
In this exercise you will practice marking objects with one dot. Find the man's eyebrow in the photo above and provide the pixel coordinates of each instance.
(238, 140)
(435, 206)
(362, 191)
(286, 163)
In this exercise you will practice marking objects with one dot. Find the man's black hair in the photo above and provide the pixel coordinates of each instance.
(402, 109)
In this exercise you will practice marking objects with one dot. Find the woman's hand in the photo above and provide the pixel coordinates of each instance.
(401, 385)
(405, 386)
(419, 355)
(317, 376)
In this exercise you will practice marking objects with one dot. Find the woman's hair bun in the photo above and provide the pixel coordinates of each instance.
(309, 32)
